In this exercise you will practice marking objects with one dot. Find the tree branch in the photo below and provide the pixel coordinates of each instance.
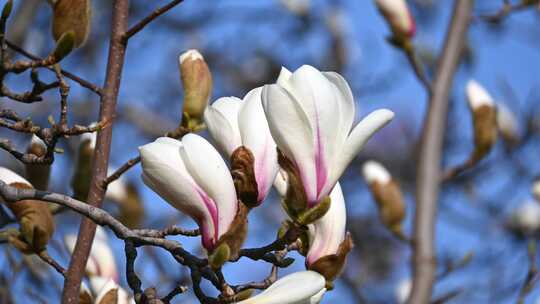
(429, 170)
(145, 21)
(117, 49)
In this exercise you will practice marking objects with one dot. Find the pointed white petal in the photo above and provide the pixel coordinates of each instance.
(281, 182)
(359, 137)
(296, 288)
(327, 233)
(322, 101)
(290, 129)
(221, 118)
(165, 173)
(210, 172)
(284, 76)
(256, 137)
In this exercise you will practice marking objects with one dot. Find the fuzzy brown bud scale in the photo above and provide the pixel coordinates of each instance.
(330, 266)
(295, 200)
(243, 173)
(485, 131)
(390, 202)
(38, 174)
(36, 224)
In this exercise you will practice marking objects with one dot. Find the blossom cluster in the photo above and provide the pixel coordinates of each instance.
(296, 134)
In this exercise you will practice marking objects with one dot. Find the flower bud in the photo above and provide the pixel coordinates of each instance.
(399, 17)
(535, 189)
(80, 181)
(197, 82)
(507, 125)
(108, 292)
(72, 16)
(299, 287)
(37, 174)
(484, 116)
(35, 219)
(403, 290)
(525, 220)
(386, 194)
(297, 7)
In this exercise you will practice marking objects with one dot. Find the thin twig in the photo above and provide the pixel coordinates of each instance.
(533, 276)
(84, 83)
(429, 170)
(146, 20)
(44, 256)
(506, 10)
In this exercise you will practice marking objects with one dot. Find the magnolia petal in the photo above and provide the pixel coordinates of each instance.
(221, 119)
(165, 173)
(283, 78)
(477, 95)
(322, 102)
(347, 102)
(290, 129)
(10, 177)
(358, 138)
(256, 137)
(327, 233)
(398, 15)
(296, 288)
(281, 182)
(210, 172)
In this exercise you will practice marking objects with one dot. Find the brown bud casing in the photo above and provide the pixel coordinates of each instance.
(111, 297)
(330, 266)
(72, 15)
(36, 223)
(295, 200)
(132, 208)
(485, 131)
(37, 174)
(196, 80)
(390, 202)
(243, 173)
(83, 171)
(234, 238)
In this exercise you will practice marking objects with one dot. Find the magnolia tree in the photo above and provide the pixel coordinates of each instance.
(219, 163)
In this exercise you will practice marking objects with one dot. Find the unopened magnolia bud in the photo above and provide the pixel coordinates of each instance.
(132, 208)
(72, 16)
(297, 7)
(507, 124)
(535, 189)
(6, 11)
(525, 220)
(83, 169)
(35, 219)
(387, 195)
(403, 290)
(38, 174)
(197, 83)
(399, 17)
(484, 120)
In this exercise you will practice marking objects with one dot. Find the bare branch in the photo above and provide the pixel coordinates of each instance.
(424, 260)
(146, 20)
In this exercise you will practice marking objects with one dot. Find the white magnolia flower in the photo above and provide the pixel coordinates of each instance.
(304, 287)
(234, 122)
(103, 285)
(328, 232)
(310, 115)
(192, 177)
(398, 16)
(478, 96)
(101, 261)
